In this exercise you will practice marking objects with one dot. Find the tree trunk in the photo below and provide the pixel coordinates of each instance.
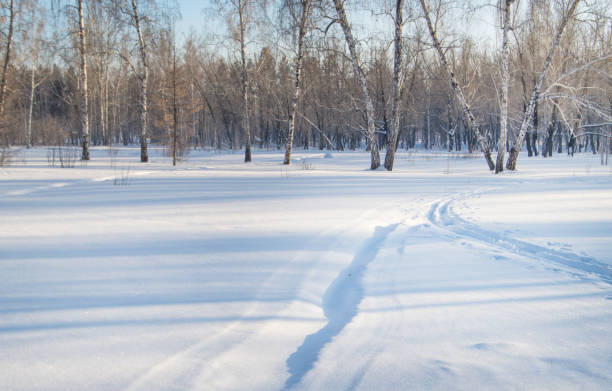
(350, 41)
(84, 109)
(144, 155)
(245, 80)
(450, 132)
(397, 86)
(549, 140)
(550, 133)
(534, 136)
(518, 141)
(7, 58)
(174, 106)
(298, 73)
(528, 143)
(31, 106)
(503, 118)
(467, 112)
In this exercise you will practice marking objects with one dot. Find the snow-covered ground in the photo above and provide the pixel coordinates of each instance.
(220, 275)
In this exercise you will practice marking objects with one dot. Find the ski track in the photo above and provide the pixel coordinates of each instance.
(442, 216)
(340, 305)
(58, 185)
(194, 362)
(21, 192)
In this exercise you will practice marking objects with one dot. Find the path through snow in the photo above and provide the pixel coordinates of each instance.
(340, 305)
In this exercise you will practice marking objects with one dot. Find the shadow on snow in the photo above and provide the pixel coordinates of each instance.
(340, 303)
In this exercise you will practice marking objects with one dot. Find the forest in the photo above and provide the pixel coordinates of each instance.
(480, 77)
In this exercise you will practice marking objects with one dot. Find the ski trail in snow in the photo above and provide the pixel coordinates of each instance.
(441, 214)
(21, 192)
(56, 185)
(340, 304)
(184, 369)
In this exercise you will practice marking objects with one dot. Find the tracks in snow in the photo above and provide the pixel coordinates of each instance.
(442, 216)
(340, 304)
(206, 360)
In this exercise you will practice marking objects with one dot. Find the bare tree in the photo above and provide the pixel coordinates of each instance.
(143, 77)
(84, 107)
(7, 55)
(35, 39)
(243, 9)
(104, 27)
(527, 118)
(398, 79)
(174, 104)
(505, 73)
(305, 11)
(369, 106)
(467, 112)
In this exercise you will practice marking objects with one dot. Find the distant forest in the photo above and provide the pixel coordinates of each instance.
(310, 74)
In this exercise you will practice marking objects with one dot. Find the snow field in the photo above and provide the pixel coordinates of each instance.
(220, 275)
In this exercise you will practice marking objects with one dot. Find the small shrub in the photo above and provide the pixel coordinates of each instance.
(122, 176)
(6, 157)
(66, 157)
(307, 165)
(51, 156)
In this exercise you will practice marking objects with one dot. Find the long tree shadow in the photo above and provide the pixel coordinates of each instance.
(340, 304)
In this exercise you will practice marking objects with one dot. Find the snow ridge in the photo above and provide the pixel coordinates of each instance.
(340, 305)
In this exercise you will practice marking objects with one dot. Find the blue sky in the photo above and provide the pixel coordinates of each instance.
(193, 15)
(198, 15)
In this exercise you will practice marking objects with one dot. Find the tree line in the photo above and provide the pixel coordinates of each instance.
(310, 74)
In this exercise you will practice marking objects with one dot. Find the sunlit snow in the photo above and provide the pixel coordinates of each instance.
(321, 275)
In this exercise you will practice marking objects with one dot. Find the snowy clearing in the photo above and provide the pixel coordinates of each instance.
(324, 275)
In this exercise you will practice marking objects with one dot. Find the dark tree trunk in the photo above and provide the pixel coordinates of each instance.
(534, 135)
(528, 143)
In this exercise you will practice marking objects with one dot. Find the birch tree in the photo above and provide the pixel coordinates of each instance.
(527, 118)
(242, 21)
(467, 111)
(103, 27)
(35, 40)
(143, 77)
(84, 106)
(369, 106)
(243, 10)
(398, 78)
(305, 11)
(505, 73)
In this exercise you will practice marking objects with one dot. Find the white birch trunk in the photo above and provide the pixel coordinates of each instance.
(245, 80)
(298, 72)
(397, 86)
(35, 52)
(31, 105)
(84, 107)
(503, 117)
(144, 76)
(350, 41)
(518, 141)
